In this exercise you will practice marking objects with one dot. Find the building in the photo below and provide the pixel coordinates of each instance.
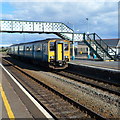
(118, 47)
(82, 50)
(114, 44)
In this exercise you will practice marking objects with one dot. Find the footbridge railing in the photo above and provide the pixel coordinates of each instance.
(60, 29)
(33, 27)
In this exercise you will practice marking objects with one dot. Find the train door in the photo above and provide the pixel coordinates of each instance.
(60, 51)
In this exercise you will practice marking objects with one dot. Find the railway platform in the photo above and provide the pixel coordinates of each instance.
(107, 65)
(14, 102)
(12, 106)
(103, 70)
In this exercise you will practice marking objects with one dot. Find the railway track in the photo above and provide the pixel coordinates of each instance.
(103, 85)
(59, 105)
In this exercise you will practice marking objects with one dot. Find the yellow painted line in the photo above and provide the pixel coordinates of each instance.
(29, 96)
(7, 105)
(108, 60)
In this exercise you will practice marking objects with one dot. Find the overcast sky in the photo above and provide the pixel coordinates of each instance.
(102, 17)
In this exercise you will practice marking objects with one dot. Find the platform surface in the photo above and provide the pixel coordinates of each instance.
(18, 109)
(14, 102)
(114, 65)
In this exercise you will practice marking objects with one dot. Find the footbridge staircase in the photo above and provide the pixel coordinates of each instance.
(93, 41)
(99, 47)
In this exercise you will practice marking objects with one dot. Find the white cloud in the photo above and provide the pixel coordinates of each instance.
(61, 11)
(103, 16)
(7, 16)
(59, 1)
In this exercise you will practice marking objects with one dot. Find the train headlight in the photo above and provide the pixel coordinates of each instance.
(66, 56)
(51, 57)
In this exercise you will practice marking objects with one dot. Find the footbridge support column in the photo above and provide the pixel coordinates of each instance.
(73, 48)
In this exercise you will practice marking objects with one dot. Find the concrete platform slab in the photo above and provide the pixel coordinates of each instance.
(23, 105)
(113, 65)
(18, 108)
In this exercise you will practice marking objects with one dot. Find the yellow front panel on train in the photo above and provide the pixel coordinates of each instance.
(60, 51)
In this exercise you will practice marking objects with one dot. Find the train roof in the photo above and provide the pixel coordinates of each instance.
(38, 41)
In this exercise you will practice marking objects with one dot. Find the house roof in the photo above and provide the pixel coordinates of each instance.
(115, 42)
(112, 42)
(118, 45)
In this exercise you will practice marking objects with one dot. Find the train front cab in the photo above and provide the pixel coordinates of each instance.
(59, 54)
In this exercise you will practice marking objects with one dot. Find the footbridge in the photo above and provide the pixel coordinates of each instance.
(95, 43)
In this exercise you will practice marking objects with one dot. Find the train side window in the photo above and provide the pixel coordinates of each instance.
(52, 46)
(44, 47)
(38, 49)
(21, 48)
(16, 48)
(30, 48)
(27, 49)
(66, 46)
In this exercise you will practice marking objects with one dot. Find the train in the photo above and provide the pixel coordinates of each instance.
(53, 52)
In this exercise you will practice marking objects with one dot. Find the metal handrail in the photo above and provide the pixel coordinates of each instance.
(91, 46)
(105, 43)
(101, 41)
(99, 44)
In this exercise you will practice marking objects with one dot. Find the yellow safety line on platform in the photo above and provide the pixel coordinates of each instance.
(7, 105)
(108, 60)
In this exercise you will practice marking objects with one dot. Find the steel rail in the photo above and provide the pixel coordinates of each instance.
(76, 104)
(86, 82)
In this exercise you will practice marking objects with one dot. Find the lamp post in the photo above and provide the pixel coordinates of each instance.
(24, 37)
(73, 47)
(88, 33)
(87, 25)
